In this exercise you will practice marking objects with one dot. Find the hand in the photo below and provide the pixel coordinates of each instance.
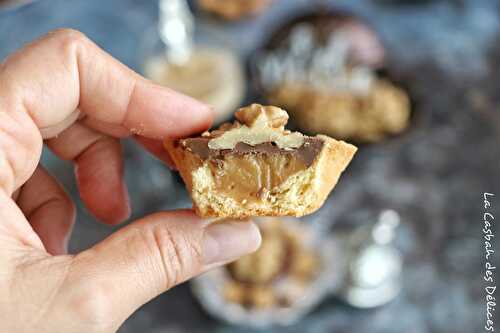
(66, 90)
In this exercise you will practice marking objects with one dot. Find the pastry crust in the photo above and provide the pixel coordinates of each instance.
(301, 193)
(383, 112)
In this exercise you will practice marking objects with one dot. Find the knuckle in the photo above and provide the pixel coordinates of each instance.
(69, 35)
(70, 39)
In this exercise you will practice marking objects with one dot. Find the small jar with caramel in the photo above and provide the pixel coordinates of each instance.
(187, 60)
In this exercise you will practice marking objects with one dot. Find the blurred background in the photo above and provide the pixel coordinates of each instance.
(415, 83)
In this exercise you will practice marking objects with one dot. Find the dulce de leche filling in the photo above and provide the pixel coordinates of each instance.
(248, 172)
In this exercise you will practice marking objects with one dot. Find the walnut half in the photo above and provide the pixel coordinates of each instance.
(261, 124)
(258, 115)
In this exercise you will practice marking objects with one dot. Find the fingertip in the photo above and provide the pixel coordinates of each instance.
(255, 235)
(211, 115)
(119, 211)
(107, 206)
(159, 112)
(229, 240)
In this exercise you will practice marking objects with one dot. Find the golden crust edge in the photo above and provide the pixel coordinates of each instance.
(334, 158)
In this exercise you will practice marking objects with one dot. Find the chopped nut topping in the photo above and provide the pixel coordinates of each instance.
(257, 115)
(260, 124)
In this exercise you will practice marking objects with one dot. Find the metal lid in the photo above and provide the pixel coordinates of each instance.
(375, 265)
(176, 29)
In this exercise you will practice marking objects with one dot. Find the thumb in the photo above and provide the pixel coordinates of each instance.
(152, 255)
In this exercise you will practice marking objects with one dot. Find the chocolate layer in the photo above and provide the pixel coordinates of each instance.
(307, 153)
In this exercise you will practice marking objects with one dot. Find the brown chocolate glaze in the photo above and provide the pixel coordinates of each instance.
(307, 153)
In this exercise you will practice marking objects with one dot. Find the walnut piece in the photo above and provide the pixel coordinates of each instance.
(257, 115)
(260, 124)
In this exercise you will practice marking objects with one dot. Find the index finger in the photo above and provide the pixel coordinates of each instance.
(64, 70)
(43, 84)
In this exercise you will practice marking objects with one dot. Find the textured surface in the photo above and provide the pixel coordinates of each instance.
(302, 192)
(447, 54)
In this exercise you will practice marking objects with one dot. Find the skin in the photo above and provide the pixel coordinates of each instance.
(62, 90)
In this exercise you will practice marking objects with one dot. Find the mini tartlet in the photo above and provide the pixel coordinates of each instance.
(254, 167)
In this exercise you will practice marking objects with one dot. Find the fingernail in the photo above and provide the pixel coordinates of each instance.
(229, 241)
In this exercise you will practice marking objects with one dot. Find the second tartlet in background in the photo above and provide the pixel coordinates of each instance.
(324, 69)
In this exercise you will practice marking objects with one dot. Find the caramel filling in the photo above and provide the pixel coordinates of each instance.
(245, 177)
(249, 173)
